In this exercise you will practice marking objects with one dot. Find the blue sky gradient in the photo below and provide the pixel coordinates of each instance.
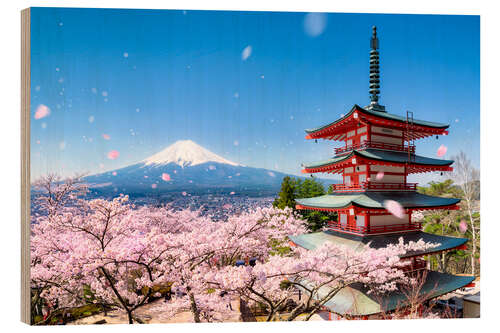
(148, 78)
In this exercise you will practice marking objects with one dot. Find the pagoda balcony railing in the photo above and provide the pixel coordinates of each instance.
(374, 144)
(370, 186)
(374, 229)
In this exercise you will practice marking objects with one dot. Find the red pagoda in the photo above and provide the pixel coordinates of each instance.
(377, 155)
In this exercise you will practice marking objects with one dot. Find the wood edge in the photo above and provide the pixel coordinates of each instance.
(25, 165)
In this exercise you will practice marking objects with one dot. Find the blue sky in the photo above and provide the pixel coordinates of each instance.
(148, 78)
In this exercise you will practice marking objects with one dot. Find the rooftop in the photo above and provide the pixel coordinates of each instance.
(376, 200)
(355, 300)
(396, 157)
(358, 242)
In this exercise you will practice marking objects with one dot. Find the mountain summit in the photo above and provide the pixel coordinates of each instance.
(185, 153)
(186, 167)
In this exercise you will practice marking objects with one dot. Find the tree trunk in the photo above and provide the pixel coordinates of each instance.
(473, 257)
(130, 319)
(194, 309)
(296, 312)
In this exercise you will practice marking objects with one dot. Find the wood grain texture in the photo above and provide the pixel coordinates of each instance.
(25, 166)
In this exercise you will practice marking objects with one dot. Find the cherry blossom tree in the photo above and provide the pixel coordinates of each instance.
(320, 274)
(123, 253)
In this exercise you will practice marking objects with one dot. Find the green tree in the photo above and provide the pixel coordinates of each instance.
(293, 188)
(286, 196)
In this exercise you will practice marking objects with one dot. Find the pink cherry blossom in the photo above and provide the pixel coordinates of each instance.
(165, 177)
(119, 252)
(106, 136)
(394, 208)
(441, 150)
(232, 193)
(113, 154)
(462, 226)
(184, 193)
(42, 111)
(380, 175)
(227, 206)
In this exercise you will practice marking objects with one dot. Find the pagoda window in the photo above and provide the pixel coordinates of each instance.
(361, 168)
(351, 133)
(349, 143)
(387, 135)
(347, 180)
(362, 178)
(363, 138)
(343, 219)
(386, 168)
(348, 170)
(362, 130)
(360, 220)
(376, 220)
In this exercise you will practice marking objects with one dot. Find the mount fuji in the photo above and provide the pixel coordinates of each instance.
(186, 166)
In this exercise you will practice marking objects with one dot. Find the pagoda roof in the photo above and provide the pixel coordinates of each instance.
(395, 157)
(375, 200)
(355, 300)
(381, 118)
(358, 242)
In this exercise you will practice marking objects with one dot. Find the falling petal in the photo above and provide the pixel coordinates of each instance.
(106, 136)
(154, 186)
(236, 143)
(441, 150)
(184, 193)
(91, 119)
(62, 145)
(125, 54)
(270, 173)
(315, 23)
(104, 93)
(394, 208)
(165, 177)
(380, 175)
(227, 206)
(232, 193)
(114, 173)
(211, 167)
(113, 155)
(247, 51)
(462, 226)
(42, 111)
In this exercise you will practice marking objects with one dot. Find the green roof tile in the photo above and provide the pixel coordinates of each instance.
(382, 155)
(358, 242)
(356, 301)
(376, 200)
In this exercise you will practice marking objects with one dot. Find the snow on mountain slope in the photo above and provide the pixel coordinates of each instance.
(184, 153)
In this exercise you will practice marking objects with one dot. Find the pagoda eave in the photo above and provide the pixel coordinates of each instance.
(379, 211)
(413, 163)
(414, 129)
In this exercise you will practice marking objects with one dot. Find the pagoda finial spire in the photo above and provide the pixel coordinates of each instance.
(374, 73)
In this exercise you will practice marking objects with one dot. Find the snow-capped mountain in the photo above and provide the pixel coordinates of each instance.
(186, 167)
(184, 153)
